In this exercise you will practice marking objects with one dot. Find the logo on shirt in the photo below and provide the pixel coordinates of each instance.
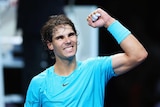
(65, 84)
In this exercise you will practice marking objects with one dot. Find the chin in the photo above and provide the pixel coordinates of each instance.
(70, 56)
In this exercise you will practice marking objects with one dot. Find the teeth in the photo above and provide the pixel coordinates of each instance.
(68, 48)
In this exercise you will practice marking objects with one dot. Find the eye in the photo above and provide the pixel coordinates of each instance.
(59, 37)
(71, 34)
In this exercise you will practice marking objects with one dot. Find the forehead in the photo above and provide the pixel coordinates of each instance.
(62, 29)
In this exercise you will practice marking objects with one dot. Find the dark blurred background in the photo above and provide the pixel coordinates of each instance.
(141, 86)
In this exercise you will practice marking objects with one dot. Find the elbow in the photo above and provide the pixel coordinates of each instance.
(142, 56)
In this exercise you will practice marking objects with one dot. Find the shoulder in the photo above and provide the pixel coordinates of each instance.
(38, 80)
(37, 85)
(100, 62)
(99, 59)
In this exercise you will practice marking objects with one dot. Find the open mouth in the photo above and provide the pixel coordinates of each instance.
(68, 48)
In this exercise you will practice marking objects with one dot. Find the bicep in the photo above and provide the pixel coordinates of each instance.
(121, 63)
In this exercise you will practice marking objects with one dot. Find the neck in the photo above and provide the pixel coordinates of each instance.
(64, 68)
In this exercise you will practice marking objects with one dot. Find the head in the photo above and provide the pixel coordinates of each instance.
(58, 30)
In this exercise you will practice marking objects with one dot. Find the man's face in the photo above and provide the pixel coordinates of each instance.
(64, 42)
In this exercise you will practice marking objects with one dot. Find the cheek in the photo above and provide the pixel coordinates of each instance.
(76, 39)
(56, 50)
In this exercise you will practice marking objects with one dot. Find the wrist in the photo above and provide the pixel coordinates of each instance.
(118, 31)
(109, 22)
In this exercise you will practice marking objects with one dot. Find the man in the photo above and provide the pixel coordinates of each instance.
(72, 83)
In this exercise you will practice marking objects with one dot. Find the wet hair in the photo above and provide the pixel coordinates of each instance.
(49, 28)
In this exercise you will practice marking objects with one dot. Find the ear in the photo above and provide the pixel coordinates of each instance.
(50, 46)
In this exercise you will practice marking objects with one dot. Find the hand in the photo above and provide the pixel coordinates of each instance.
(99, 18)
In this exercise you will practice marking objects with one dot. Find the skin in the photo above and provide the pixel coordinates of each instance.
(64, 45)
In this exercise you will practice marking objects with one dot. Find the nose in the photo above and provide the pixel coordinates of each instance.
(67, 40)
